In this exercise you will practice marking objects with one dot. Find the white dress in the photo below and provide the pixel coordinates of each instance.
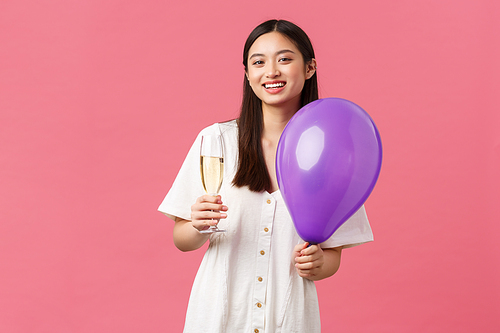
(247, 281)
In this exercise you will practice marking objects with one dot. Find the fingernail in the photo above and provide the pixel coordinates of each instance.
(224, 207)
(223, 215)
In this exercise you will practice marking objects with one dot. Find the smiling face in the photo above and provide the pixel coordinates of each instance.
(277, 72)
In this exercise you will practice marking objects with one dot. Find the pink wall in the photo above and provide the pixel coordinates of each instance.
(100, 100)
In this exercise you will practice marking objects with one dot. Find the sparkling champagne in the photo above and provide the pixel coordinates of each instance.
(212, 171)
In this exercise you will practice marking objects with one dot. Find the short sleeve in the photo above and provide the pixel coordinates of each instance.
(355, 231)
(187, 186)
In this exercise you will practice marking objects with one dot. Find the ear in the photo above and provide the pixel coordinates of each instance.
(311, 68)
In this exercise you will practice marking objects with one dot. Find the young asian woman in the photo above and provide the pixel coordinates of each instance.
(258, 275)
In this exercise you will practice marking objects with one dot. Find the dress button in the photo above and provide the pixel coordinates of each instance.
(266, 229)
(260, 279)
(268, 201)
(259, 305)
(256, 330)
(262, 252)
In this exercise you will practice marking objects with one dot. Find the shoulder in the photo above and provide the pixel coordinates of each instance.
(229, 127)
(226, 128)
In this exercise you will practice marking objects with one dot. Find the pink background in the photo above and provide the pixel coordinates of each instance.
(100, 100)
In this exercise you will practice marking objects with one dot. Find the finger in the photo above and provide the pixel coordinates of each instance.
(308, 250)
(210, 198)
(203, 225)
(308, 258)
(207, 215)
(310, 264)
(305, 266)
(298, 248)
(200, 207)
(302, 259)
(305, 273)
(316, 256)
(212, 206)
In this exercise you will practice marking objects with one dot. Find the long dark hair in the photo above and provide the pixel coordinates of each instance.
(252, 170)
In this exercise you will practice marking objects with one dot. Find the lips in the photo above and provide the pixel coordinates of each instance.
(274, 85)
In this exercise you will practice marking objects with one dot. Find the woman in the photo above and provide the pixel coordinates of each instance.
(258, 276)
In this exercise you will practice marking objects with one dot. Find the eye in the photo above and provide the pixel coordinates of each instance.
(258, 62)
(284, 59)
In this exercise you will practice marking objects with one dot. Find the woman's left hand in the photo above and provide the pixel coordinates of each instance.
(315, 263)
(308, 260)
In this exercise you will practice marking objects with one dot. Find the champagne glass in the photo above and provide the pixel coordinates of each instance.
(212, 168)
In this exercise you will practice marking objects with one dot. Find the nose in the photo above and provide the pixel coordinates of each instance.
(272, 71)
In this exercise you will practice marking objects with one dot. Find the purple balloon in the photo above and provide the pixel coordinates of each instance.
(327, 163)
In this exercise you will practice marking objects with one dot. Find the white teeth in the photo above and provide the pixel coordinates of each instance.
(274, 85)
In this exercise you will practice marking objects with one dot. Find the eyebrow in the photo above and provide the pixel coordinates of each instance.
(277, 53)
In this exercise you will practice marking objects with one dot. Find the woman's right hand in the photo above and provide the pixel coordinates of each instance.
(207, 211)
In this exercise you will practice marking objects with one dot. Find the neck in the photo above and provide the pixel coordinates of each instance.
(275, 120)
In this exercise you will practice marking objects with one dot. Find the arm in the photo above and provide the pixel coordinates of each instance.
(204, 213)
(315, 263)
